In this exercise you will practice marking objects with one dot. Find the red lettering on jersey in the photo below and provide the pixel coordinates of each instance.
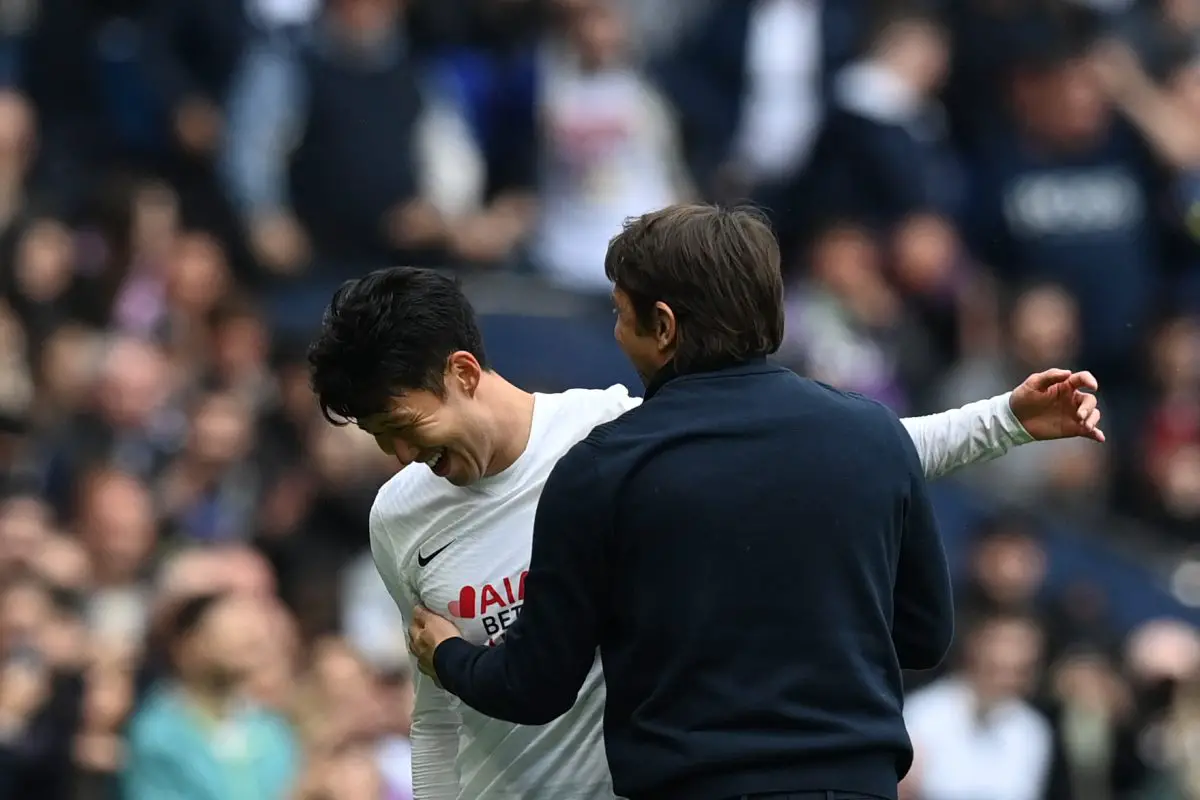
(521, 585)
(508, 590)
(466, 603)
(490, 597)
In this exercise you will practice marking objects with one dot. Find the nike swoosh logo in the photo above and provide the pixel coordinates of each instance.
(424, 560)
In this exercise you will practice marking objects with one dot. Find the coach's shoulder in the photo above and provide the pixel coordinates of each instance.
(584, 474)
(870, 418)
(844, 402)
(851, 401)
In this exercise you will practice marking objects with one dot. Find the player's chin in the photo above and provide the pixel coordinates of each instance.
(461, 476)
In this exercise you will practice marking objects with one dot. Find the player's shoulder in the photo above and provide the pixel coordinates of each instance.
(601, 403)
(584, 409)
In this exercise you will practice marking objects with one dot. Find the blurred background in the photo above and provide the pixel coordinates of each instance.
(966, 191)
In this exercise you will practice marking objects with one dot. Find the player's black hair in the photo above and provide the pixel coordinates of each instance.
(389, 332)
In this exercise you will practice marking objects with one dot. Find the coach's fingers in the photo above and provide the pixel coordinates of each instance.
(1084, 380)
(1091, 426)
(1042, 381)
(414, 639)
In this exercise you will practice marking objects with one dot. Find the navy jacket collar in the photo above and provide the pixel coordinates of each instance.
(669, 372)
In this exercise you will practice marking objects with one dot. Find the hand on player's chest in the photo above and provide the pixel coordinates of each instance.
(482, 598)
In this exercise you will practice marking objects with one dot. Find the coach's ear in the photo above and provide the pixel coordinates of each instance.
(664, 326)
(463, 370)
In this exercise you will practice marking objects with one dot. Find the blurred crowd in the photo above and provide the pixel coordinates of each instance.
(966, 191)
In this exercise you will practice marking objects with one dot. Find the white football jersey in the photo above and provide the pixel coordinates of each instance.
(463, 552)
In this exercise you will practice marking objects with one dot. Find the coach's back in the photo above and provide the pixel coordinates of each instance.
(774, 563)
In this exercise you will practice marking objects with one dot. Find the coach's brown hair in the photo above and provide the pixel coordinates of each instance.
(718, 271)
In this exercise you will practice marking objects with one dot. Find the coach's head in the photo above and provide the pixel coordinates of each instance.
(695, 287)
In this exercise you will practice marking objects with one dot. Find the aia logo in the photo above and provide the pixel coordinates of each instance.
(496, 606)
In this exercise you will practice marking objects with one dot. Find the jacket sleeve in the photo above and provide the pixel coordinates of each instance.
(535, 673)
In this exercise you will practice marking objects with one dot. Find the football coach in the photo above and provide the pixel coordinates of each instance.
(754, 553)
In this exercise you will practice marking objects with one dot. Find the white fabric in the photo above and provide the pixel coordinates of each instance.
(487, 530)
(607, 153)
(282, 12)
(1005, 756)
(782, 110)
(973, 434)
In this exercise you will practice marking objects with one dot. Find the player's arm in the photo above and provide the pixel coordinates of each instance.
(434, 737)
(957, 438)
(534, 675)
(435, 719)
(1052, 404)
(923, 618)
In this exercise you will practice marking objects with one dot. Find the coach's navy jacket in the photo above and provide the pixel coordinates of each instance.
(755, 555)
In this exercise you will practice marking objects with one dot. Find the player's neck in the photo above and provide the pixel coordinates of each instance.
(512, 420)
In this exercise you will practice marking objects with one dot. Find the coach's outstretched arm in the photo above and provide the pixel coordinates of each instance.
(923, 614)
(1055, 404)
(535, 674)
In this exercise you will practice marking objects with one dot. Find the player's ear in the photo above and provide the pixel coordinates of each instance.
(463, 369)
(664, 326)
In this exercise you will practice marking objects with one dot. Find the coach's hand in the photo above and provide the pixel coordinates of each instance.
(1058, 404)
(427, 631)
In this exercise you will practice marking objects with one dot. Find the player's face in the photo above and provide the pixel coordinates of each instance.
(444, 433)
(647, 350)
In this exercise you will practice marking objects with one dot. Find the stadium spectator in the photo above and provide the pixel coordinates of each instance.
(609, 147)
(849, 326)
(116, 525)
(749, 82)
(382, 188)
(975, 733)
(1065, 188)
(194, 736)
(884, 151)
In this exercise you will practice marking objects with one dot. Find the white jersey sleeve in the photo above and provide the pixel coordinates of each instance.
(973, 434)
(435, 716)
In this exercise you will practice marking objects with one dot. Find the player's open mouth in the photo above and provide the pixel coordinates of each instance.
(440, 463)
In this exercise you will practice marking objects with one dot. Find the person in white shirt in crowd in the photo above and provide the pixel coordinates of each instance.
(975, 736)
(609, 147)
(401, 356)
